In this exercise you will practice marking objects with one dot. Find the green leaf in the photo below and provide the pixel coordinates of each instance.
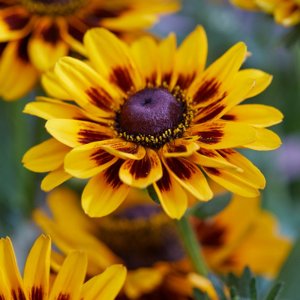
(152, 194)
(275, 291)
(210, 208)
(290, 273)
(253, 292)
(199, 295)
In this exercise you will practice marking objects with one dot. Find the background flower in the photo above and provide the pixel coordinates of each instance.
(230, 241)
(34, 34)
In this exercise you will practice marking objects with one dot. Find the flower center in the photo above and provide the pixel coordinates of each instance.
(53, 7)
(153, 236)
(153, 117)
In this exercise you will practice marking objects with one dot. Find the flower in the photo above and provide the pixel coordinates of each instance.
(286, 12)
(150, 116)
(233, 240)
(68, 284)
(34, 34)
(146, 241)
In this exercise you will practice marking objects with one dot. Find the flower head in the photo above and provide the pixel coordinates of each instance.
(145, 240)
(34, 34)
(285, 12)
(67, 284)
(151, 116)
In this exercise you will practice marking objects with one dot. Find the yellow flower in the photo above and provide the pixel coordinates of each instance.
(152, 116)
(286, 12)
(36, 283)
(145, 240)
(34, 34)
(232, 239)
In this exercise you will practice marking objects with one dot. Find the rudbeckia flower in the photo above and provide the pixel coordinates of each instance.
(146, 241)
(34, 34)
(36, 283)
(152, 116)
(286, 12)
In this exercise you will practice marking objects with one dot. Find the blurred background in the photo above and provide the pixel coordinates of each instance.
(273, 48)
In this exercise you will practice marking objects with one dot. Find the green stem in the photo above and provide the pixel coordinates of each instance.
(192, 246)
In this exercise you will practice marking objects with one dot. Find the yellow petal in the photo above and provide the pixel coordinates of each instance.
(262, 80)
(68, 282)
(87, 161)
(167, 51)
(46, 45)
(37, 269)
(180, 147)
(142, 281)
(147, 67)
(105, 192)
(218, 76)
(74, 133)
(171, 195)
(86, 87)
(255, 114)
(14, 86)
(45, 157)
(111, 57)
(141, 173)
(233, 181)
(287, 13)
(190, 58)
(189, 176)
(9, 270)
(249, 171)
(221, 135)
(54, 179)
(52, 86)
(47, 108)
(123, 149)
(15, 23)
(265, 140)
(106, 285)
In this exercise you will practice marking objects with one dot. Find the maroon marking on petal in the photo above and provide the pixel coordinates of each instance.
(36, 293)
(75, 33)
(86, 136)
(213, 171)
(2, 47)
(128, 149)
(18, 295)
(63, 297)
(185, 80)
(23, 49)
(229, 117)
(210, 112)
(166, 78)
(101, 157)
(51, 34)
(151, 78)
(210, 234)
(112, 174)
(164, 184)
(176, 148)
(121, 78)
(226, 152)
(16, 21)
(181, 168)
(206, 91)
(229, 262)
(100, 98)
(207, 152)
(141, 168)
(213, 136)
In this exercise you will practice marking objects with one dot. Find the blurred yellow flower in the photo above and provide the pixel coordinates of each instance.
(285, 12)
(68, 283)
(152, 116)
(146, 241)
(34, 34)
